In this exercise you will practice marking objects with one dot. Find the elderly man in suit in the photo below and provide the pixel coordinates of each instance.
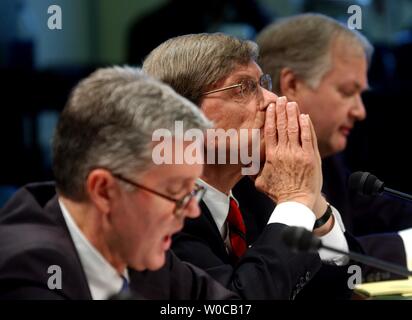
(236, 245)
(322, 65)
(112, 211)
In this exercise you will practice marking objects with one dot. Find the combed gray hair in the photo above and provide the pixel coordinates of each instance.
(302, 43)
(108, 122)
(192, 63)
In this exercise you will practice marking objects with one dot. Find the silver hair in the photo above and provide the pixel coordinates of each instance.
(302, 43)
(108, 122)
(192, 63)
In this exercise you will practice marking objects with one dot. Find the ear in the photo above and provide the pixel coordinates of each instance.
(201, 105)
(101, 188)
(289, 84)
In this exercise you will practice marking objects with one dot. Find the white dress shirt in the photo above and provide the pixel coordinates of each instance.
(406, 236)
(103, 280)
(289, 213)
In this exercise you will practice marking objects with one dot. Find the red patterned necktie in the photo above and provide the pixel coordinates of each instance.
(237, 230)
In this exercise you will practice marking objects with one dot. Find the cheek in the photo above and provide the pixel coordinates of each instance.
(148, 251)
(139, 219)
(231, 115)
(336, 116)
(216, 113)
(326, 114)
(237, 119)
(251, 117)
(155, 217)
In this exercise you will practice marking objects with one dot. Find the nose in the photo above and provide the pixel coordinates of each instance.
(268, 98)
(358, 111)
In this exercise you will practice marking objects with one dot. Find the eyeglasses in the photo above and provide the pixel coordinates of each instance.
(181, 204)
(247, 87)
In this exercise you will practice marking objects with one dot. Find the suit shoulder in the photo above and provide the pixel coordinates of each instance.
(30, 255)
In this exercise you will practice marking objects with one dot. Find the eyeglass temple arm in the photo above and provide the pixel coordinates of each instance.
(222, 89)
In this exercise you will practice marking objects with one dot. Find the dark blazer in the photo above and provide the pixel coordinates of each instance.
(330, 278)
(363, 215)
(34, 236)
(268, 270)
(370, 222)
(373, 220)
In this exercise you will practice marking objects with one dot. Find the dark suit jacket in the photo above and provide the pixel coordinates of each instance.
(363, 215)
(329, 279)
(268, 270)
(373, 220)
(34, 236)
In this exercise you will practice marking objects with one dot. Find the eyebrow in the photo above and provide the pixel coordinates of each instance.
(358, 86)
(243, 76)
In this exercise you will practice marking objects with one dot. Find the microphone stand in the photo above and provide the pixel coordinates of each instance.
(373, 262)
(365, 183)
(298, 238)
(398, 194)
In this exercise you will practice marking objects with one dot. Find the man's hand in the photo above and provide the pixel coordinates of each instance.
(292, 170)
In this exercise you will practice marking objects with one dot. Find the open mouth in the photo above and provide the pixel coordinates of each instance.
(345, 130)
(167, 239)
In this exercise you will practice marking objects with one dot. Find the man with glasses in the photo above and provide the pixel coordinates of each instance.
(181, 204)
(112, 211)
(246, 87)
(219, 73)
(321, 64)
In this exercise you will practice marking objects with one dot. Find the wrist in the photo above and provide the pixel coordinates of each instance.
(320, 206)
(324, 218)
(305, 200)
(325, 223)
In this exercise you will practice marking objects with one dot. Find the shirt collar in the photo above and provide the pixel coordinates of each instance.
(218, 204)
(103, 280)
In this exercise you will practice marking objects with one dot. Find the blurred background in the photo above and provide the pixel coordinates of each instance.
(39, 66)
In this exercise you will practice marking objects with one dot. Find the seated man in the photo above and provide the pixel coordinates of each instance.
(112, 211)
(322, 65)
(220, 74)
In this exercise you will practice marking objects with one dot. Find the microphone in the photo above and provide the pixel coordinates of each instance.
(364, 183)
(300, 239)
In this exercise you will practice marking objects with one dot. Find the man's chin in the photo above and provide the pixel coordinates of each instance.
(341, 145)
(332, 149)
(158, 263)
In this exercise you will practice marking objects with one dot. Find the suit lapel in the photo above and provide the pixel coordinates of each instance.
(255, 206)
(54, 212)
(212, 232)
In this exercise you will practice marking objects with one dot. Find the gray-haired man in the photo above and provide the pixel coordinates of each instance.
(112, 211)
(322, 65)
(220, 74)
